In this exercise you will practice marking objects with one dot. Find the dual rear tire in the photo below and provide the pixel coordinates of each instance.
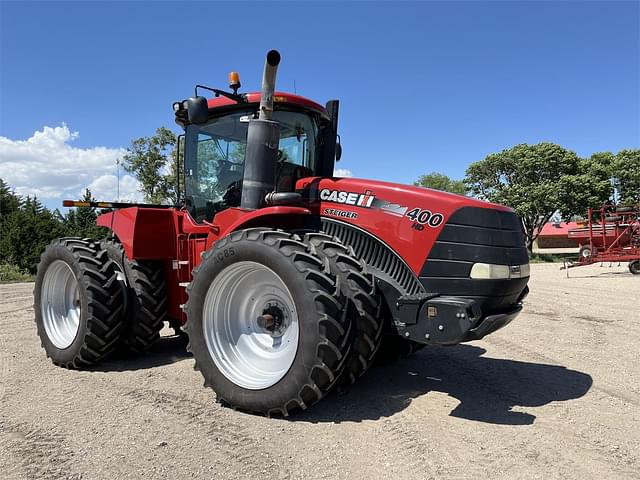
(89, 300)
(145, 293)
(78, 303)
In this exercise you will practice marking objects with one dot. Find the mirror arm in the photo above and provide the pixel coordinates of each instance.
(238, 98)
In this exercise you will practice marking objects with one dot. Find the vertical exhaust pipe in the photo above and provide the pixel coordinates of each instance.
(269, 84)
(263, 137)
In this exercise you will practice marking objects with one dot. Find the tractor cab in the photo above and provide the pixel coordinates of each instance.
(216, 145)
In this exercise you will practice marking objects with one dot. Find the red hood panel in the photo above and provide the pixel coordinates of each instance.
(407, 218)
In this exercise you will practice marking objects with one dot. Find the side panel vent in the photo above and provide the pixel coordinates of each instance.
(381, 260)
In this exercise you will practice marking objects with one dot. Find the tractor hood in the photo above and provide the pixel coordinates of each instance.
(408, 219)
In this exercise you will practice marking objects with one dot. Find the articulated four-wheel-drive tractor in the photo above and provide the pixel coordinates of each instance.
(288, 280)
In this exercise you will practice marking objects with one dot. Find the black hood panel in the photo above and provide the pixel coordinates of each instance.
(477, 235)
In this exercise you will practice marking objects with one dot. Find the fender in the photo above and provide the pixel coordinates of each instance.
(234, 219)
(145, 233)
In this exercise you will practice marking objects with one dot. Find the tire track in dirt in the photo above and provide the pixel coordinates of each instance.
(35, 452)
(16, 298)
(240, 447)
(28, 307)
(403, 433)
(5, 358)
(11, 289)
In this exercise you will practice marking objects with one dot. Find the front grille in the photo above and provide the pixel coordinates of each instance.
(379, 258)
(477, 235)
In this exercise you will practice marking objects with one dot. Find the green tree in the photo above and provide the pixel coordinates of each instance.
(26, 232)
(150, 160)
(440, 181)
(538, 180)
(625, 171)
(176, 179)
(9, 201)
(26, 227)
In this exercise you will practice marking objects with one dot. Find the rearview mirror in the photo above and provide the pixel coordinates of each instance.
(338, 150)
(197, 110)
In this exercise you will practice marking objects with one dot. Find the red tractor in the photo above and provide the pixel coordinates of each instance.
(287, 280)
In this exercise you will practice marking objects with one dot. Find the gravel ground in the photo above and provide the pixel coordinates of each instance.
(553, 395)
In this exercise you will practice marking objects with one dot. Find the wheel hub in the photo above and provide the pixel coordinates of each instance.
(274, 319)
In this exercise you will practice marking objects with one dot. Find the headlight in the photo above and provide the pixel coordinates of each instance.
(491, 271)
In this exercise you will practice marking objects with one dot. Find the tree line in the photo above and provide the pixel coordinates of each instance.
(27, 226)
(540, 180)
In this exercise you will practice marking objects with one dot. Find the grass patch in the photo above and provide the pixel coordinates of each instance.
(551, 257)
(12, 273)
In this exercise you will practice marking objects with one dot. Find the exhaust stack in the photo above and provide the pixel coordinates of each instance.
(263, 137)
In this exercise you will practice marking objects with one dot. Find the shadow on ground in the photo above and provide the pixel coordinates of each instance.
(487, 388)
(165, 351)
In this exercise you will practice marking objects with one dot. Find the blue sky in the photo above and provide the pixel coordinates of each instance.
(424, 86)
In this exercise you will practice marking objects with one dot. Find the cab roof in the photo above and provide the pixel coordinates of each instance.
(278, 98)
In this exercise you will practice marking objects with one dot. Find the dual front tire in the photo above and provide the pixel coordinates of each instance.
(266, 322)
(276, 320)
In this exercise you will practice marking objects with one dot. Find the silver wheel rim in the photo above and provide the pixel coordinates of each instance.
(60, 304)
(246, 351)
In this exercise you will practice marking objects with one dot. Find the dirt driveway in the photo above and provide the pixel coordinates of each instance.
(556, 394)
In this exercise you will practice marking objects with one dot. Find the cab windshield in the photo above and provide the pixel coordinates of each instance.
(214, 158)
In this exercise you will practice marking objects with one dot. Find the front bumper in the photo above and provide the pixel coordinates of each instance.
(492, 323)
(444, 320)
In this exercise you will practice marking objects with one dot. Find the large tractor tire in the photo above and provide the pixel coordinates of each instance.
(265, 323)
(145, 293)
(78, 302)
(634, 267)
(362, 304)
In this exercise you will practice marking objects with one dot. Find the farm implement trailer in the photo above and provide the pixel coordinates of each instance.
(288, 280)
(610, 234)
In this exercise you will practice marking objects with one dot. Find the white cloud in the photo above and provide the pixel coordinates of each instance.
(342, 172)
(106, 187)
(47, 165)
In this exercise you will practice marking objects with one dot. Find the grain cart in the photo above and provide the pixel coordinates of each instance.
(287, 279)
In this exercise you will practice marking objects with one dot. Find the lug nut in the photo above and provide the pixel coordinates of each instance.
(441, 327)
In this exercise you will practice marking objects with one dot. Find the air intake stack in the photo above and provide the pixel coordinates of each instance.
(263, 138)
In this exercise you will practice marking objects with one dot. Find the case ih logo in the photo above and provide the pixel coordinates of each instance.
(347, 198)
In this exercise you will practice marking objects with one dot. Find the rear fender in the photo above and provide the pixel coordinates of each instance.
(145, 233)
